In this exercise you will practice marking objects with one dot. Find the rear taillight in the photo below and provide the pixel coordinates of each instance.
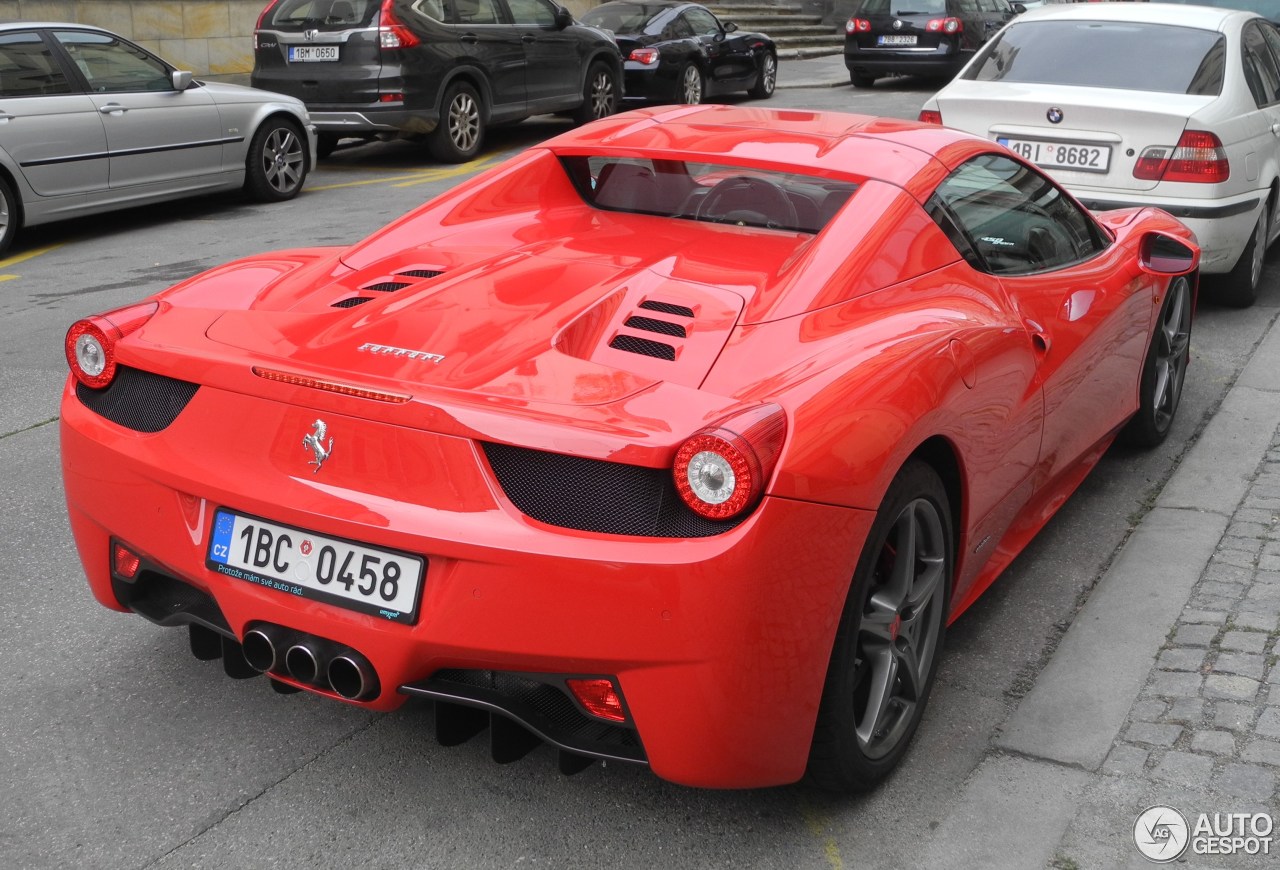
(646, 56)
(392, 32)
(90, 345)
(945, 25)
(263, 14)
(857, 25)
(1198, 158)
(930, 116)
(599, 697)
(722, 470)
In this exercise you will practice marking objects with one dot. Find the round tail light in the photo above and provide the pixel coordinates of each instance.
(722, 470)
(90, 345)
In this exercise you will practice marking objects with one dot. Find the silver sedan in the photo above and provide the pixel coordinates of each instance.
(91, 122)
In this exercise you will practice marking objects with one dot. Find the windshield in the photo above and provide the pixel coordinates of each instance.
(1097, 54)
(709, 192)
(902, 7)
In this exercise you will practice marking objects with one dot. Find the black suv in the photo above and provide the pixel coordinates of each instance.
(439, 69)
(919, 37)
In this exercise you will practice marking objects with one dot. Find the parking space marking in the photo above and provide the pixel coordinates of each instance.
(422, 177)
(20, 258)
(817, 823)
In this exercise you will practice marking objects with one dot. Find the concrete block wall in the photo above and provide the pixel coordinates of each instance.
(208, 37)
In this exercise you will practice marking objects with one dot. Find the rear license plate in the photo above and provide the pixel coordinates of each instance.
(1061, 155)
(896, 40)
(359, 577)
(311, 53)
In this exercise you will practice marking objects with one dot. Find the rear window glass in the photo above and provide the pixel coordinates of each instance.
(901, 7)
(1105, 54)
(709, 192)
(321, 14)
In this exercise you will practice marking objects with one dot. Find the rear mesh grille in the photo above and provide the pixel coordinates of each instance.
(643, 346)
(386, 286)
(352, 302)
(667, 308)
(650, 324)
(421, 273)
(138, 400)
(592, 495)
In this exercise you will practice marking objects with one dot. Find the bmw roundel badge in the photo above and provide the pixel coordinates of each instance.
(1054, 115)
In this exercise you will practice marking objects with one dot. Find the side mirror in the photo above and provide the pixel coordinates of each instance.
(1165, 255)
(181, 79)
(730, 27)
(564, 18)
(1019, 8)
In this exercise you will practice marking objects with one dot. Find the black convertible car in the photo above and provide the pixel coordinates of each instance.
(680, 52)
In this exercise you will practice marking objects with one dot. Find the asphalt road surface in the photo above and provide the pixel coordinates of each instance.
(120, 750)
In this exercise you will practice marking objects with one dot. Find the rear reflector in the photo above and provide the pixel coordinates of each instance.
(124, 561)
(599, 697)
(329, 386)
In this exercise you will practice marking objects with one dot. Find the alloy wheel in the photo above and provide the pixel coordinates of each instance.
(602, 96)
(283, 160)
(464, 122)
(769, 74)
(1259, 247)
(691, 85)
(1173, 341)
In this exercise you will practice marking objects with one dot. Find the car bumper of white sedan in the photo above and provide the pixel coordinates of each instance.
(1222, 226)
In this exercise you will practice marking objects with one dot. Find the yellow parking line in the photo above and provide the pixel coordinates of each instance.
(817, 824)
(411, 179)
(20, 258)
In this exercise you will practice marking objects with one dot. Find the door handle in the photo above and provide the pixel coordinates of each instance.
(5, 116)
(528, 38)
(1275, 129)
(469, 38)
(112, 109)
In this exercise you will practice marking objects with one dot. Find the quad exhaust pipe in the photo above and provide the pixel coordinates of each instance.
(310, 660)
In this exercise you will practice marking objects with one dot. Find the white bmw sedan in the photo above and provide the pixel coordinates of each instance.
(1145, 104)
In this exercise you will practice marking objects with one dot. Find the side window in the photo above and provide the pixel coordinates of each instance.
(1260, 69)
(1014, 219)
(702, 22)
(967, 6)
(1271, 35)
(28, 69)
(113, 66)
(678, 29)
(477, 12)
(538, 13)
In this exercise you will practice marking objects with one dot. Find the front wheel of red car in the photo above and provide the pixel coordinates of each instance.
(599, 95)
(460, 133)
(890, 637)
(1165, 368)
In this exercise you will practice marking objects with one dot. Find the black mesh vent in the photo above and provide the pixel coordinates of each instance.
(167, 601)
(421, 273)
(592, 495)
(138, 400)
(650, 324)
(386, 286)
(667, 308)
(352, 302)
(552, 705)
(643, 346)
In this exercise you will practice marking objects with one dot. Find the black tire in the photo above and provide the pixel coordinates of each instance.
(325, 145)
(277, 162)
(862, 80)
(10, 215)
(1239, 287)
(890, 637)
(460, 134)
(690, 87)
(767, 79)
(1165, 369)
(599, 94)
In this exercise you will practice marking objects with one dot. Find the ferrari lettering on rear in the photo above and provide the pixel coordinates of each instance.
(387, 350)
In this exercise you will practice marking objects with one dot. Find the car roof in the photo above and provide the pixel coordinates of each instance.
(1204, 17)
(908, 154)
(16, 24)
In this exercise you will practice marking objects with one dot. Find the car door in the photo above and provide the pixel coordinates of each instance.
(1261, 52)
(728, 60)
(50, 130)
(489, 40)
(553, 62)
(1087, 327)
(156, 135)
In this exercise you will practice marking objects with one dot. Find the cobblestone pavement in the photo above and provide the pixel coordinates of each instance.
(1204, 734)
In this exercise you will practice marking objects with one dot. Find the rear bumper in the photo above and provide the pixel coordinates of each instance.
(945, 60)
(352, 122)
(719, 645)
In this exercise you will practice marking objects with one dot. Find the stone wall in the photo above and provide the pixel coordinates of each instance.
(208, 37)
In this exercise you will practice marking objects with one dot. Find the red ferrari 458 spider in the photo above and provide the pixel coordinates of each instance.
(678, 439)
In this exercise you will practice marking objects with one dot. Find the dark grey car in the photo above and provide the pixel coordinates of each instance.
(439, 69)
(91, 122)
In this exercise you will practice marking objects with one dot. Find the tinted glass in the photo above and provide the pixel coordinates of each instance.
(702, 22)
(538, 13)
(902, 7)
(321, 14)
(1260, 67)
(1141, 57)
(113, 66)
(27, 68)
(621, 17)
(477, 12)
(709, 192)
(1016, 219)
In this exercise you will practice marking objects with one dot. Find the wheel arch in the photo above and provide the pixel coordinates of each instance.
(474, 77)
(941, 455)
(20, 205)
(281, 114)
